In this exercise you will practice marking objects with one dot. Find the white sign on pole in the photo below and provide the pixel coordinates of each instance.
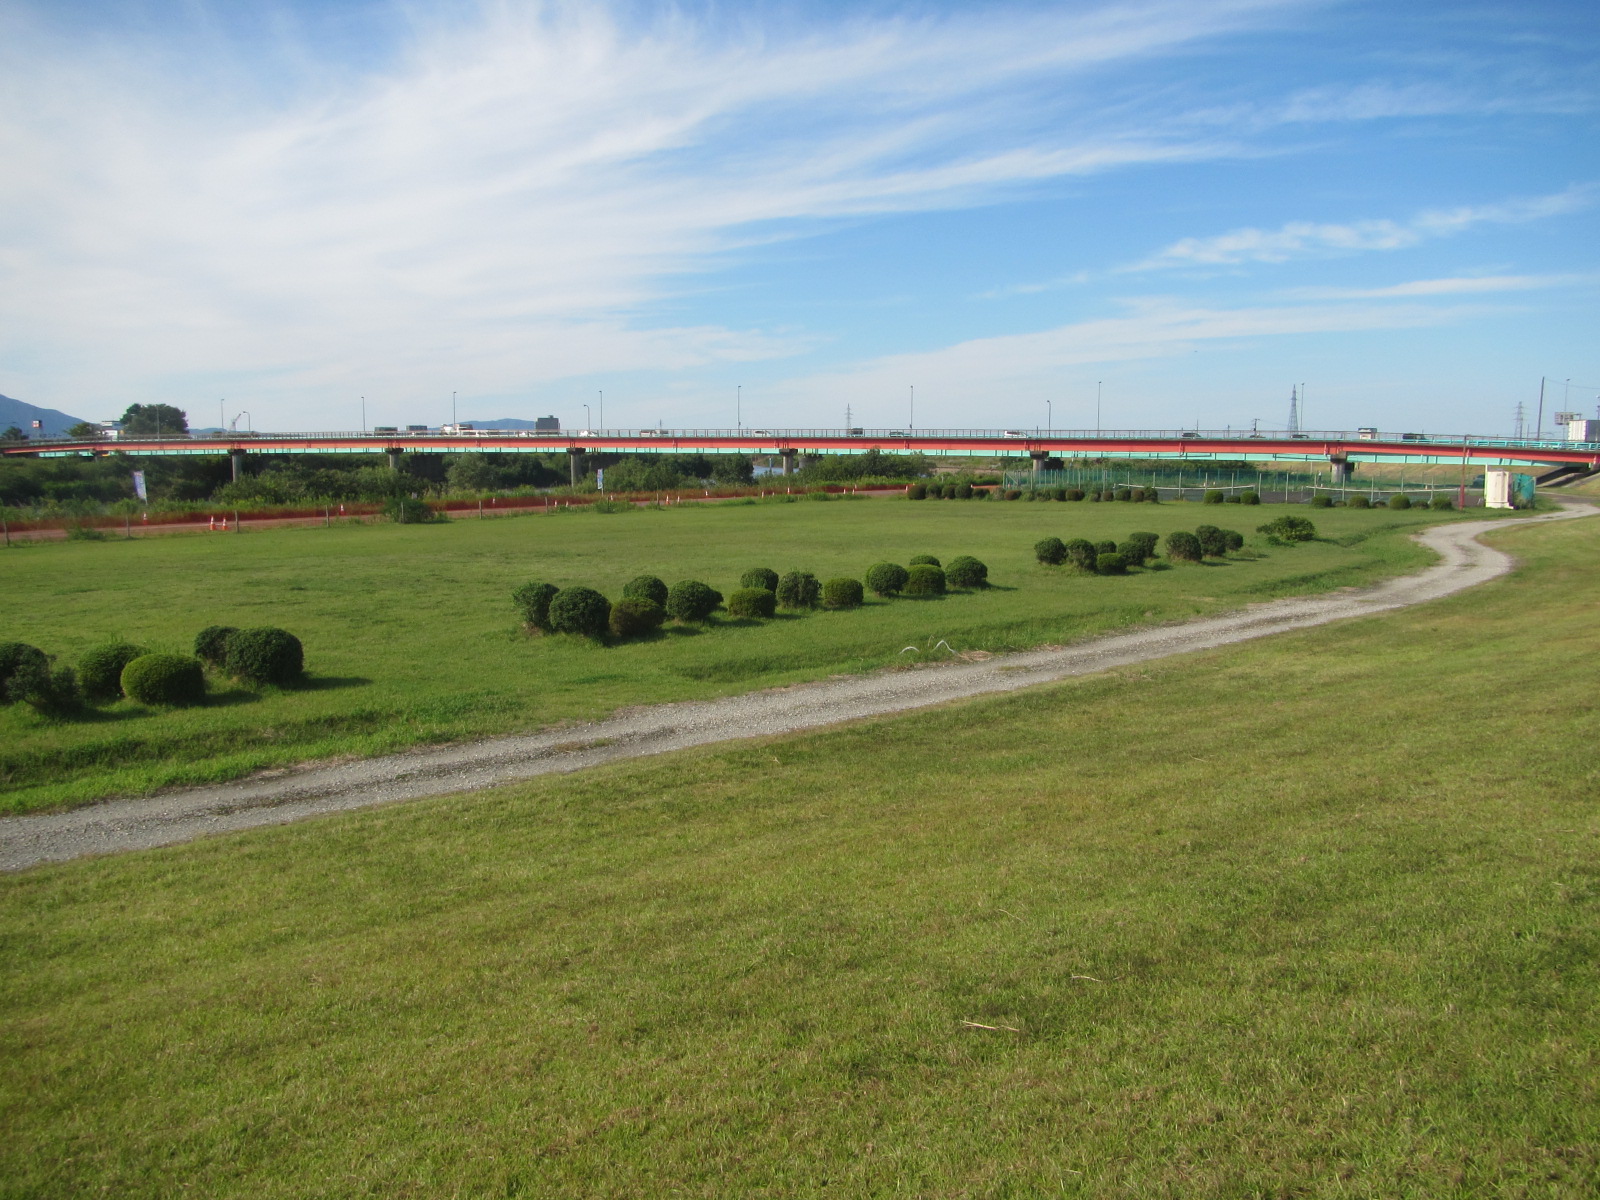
(138, 485)
(600, 479)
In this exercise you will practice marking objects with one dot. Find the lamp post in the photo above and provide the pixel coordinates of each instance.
(738, 407)
(363, 414)
(587, 427)
(1049, 417)
(453, 420)
(602, 408)
(912, 427)
(1097, 409)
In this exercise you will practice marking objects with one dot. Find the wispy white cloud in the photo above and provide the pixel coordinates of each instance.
(501, 200)
(1466, 285)
(1301, 239)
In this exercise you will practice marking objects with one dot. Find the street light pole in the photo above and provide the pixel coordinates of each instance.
(453, 420)
(913, 424)
(363, 414)
(588, 427)
(738, 407)
(1097, 408)
(602, 408)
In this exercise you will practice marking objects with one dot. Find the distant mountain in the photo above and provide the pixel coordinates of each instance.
(501, 423)
(15, 412)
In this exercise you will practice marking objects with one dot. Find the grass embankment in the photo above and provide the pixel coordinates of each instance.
(412, 639)
(1309, 917)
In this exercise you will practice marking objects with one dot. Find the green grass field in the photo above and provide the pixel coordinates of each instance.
(1314, 916)
(411, 637)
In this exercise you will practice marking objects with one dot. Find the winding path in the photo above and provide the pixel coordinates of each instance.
(179, 816)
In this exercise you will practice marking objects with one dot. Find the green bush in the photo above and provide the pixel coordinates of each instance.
(49, 690)
(924, 560)
(1322, 502)
(1232, 500)
(1059, 493)
(1289, 529)
(841, 593)
(1030, 494)
(13, 657)
(749, 602)
(1051, 551)
(1139, 548)
(1249, 497)
(964, 491)
(175, 680)
(1093, 495)
(1111, 564)
(925, 579)
(1441, 503)
(1212, 542)
(532, 601)
(1152, 496)
(1108, 494)
(1183, 546)
(264, 656)
(690, 600)
(645, 587)
(211, 644)
(1357, 502)
(407, 510)
(917, 491)
(1233, 540)
(1081, 554)
(1124, 495)
(1074, 493)
(965, 571)
(1400, 501)
(581, 611)
(760, 577)
(100, 670)
(1213, 497)
(1105, 547)
(799, 589)
(635, 616)
(886, 578)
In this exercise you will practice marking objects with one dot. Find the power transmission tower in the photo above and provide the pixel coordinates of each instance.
(1522, 422)
(1294, 410)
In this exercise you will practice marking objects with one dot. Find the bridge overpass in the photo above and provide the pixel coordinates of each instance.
(1562, 460)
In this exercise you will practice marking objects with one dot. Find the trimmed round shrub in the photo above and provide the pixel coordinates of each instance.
(948, 492)
(886, 578)
(1322, 502)
(407, 510)
(1094, 495)
(799, 589)
(965, 571)
(265, 655)
(917, 491)
(1357, 502)
(1212, 542)
(1232, 500)
(1138, 548)
(14, 656)
(1233, 540)
(211, 643)
(750, 602)
(1442, 503)
(1289, 529)
(924, 560)
(1051, 551)
(841, 593)
(1059, 493)
(1108, 494)
(1081, 553)
(1105, 547)
(100, 670)
(1111, 564)
(645, 587)
(1249, 497)
(964, 491)
(1212, 497)
(760, 577)
(925, 579)
(1183, 546)
(49, 690)
(1030, 494)
(175, 680)
(1152, 496)
(1074, 493)
(692, 601)
(1400, 501)
(580, 610)
(1125, 495)
(635, 616)
(532, 601)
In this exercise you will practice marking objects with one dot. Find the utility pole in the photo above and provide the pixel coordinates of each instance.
(738, 407)
(1539, 432)
(602, 408)
(1097, 409)
(913, 426)
(363, 414)
(453, 419)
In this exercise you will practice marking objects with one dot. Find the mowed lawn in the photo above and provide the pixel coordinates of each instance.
(1314, 916)
(411, 637)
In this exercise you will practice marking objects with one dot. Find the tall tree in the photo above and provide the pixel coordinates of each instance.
(155, 420)
(85, 430)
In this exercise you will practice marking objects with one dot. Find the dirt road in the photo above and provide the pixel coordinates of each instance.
(171, 817)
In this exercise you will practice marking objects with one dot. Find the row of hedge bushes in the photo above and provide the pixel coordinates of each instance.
(1098, 558)
(647, 602)
(965, 491)
(109, 672)
(1399, 501)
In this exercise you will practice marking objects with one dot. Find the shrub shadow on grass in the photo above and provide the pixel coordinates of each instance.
(328, 683)
(230, 697)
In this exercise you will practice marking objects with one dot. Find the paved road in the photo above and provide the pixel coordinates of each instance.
(171, 817)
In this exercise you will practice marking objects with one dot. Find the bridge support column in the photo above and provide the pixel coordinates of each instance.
(1343, 469)
(1038, 457)
(394, 453)
(236, 460)
(574, 455)
(788, 461)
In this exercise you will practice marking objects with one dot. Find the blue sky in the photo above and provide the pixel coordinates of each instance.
(1185, 207)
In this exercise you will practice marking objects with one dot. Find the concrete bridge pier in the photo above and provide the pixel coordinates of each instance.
(574, 458)
(1038, 457)
(394, 453)
(236, 460)
(788, 461)
(1343, 469)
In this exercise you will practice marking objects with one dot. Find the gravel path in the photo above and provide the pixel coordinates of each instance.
(170, 817)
